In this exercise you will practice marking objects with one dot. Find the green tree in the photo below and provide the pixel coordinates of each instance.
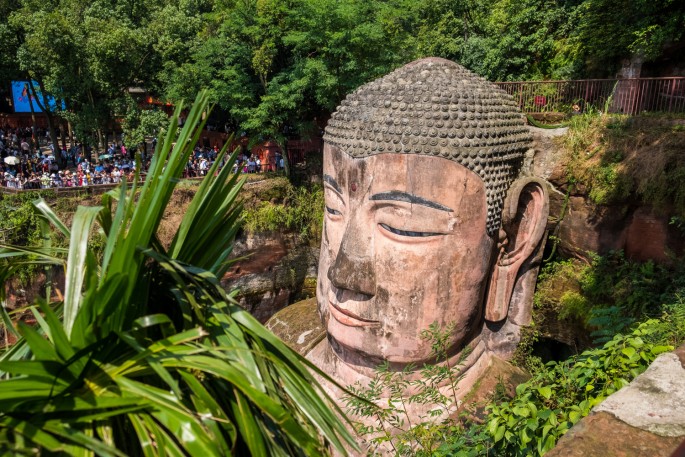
(139, 124)
(607, 31)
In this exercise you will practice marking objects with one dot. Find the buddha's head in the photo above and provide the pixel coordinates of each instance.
(426, 220)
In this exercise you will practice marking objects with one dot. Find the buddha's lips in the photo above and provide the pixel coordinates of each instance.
(349, 319)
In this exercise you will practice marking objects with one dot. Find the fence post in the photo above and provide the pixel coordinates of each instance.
(672, 97)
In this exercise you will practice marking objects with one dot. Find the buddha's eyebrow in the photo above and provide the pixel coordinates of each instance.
(334, 184)
(400, 196)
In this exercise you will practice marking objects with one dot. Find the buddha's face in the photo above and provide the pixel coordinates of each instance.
(404, 246)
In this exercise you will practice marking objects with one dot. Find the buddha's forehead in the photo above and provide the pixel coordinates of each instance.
(427, 177)
(434, 107)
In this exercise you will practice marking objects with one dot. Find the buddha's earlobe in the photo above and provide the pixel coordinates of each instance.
(524, 219)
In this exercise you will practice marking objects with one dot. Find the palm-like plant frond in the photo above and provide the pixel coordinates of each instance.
(147, 354)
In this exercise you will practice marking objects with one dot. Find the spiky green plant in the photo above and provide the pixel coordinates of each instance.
(147, 354)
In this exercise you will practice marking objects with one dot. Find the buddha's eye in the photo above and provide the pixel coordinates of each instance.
(333, 212)
(408, 233)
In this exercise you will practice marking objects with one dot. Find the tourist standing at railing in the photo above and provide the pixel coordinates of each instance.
(25, 149)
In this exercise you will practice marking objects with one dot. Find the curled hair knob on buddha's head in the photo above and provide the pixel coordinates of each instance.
(436, 107)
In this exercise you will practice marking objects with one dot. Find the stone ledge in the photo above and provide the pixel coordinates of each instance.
(654, 401)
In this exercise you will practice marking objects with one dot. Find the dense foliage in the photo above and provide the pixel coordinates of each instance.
(20, 226)
(277, 67)
(144, 353)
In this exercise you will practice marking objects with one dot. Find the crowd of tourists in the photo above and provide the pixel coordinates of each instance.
(27, 165)
(202, 160)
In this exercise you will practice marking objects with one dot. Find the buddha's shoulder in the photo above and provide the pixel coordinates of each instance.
(298, 325)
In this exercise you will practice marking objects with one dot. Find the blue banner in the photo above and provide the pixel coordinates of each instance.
(22, 97)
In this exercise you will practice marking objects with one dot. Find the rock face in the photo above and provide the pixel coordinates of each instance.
(639, 230)
(645, 418)
(272, 271)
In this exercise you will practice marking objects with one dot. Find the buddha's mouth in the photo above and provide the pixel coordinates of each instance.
(350, 319)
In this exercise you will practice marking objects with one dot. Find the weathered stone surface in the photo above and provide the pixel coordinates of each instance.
(298, 325)
(641, 232)
(273, 270)
(586, 228)
(602, 435)
(655, 400)
(680, 352)
(649, 236)
(547, 153)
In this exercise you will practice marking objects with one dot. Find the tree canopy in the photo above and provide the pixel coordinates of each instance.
(275, 66)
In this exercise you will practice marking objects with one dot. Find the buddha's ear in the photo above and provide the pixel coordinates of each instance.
(524, 218)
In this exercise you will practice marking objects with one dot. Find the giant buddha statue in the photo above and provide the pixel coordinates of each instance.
(429, 219)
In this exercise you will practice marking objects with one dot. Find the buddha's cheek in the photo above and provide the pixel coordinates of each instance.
(405, 303)
(425, 284)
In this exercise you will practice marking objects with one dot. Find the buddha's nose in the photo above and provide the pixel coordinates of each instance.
(353, 268)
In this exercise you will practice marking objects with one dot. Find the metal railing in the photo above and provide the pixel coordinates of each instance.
(626, 96)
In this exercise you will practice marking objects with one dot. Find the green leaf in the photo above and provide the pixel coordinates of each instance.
(50, 215)
(628, 351)
(75, 275)
(499, 433)
(656, 350)
(545, 391)
(521, 411)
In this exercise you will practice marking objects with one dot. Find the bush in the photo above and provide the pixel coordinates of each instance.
(301, 211)
(20, 226)
(610, 293)
(617, 159)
